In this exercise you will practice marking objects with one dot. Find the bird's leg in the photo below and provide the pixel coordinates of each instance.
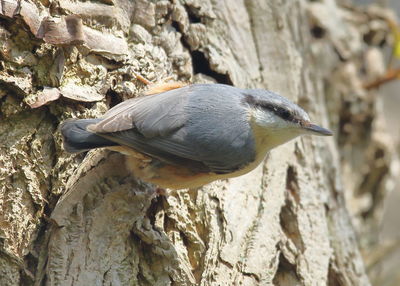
(161, 192)
(154, 191)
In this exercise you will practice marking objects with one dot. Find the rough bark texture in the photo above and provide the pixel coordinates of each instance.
(83, 220)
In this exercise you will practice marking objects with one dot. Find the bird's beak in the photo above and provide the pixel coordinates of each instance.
(317, 130)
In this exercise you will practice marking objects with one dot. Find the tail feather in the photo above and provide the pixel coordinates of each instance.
(78, 139)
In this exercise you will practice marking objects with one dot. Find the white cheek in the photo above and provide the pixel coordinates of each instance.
(269, 120)
(271, 130)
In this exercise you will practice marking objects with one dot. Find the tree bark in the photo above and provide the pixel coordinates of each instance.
(84, 220)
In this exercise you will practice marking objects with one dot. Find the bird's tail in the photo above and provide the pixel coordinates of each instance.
(77, 139)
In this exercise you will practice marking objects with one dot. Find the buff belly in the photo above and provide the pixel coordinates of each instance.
(171, 176)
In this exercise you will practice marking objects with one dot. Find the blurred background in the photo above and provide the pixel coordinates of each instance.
(383, 259)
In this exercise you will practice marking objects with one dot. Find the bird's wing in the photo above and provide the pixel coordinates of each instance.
(152, 115)
(185, 126)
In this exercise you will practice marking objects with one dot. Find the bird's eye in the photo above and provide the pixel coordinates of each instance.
(284, 114)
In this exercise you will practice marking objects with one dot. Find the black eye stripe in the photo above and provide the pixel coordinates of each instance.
(281, 112)
(278, 110)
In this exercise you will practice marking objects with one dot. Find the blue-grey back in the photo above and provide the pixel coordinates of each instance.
(204, 123)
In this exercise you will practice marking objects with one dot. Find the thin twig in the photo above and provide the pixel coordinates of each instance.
(389, 76)
(141, 78)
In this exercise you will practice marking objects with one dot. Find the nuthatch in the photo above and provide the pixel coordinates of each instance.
(189, 136)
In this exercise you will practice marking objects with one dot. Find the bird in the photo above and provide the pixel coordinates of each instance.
(180, 137)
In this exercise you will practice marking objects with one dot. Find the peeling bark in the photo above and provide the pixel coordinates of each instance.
(84, 220)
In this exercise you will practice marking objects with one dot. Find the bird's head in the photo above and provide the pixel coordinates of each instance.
(279, 119)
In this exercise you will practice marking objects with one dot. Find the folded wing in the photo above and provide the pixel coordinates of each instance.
(184, 126)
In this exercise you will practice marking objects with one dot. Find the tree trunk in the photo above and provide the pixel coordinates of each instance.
(84, 220)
